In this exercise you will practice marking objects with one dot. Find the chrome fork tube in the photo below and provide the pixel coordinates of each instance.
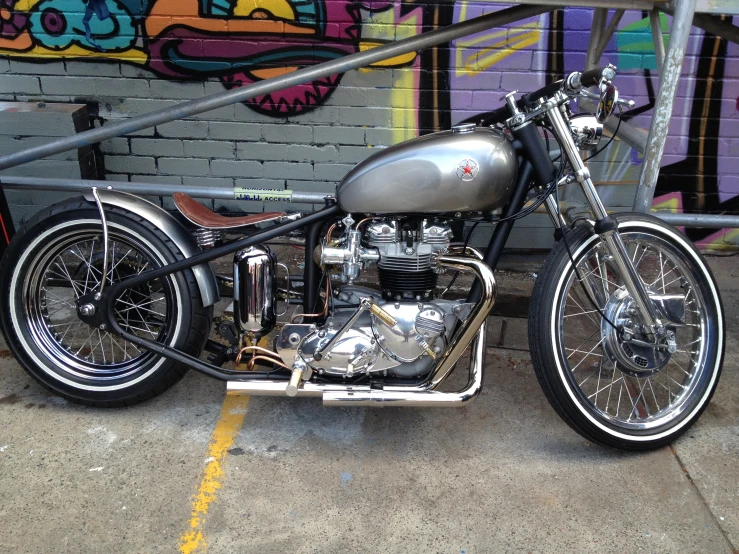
(553, 210)
(613, 241)
(573, 155)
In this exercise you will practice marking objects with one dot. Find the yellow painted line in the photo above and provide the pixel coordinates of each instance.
(233, 412)
(229, 424)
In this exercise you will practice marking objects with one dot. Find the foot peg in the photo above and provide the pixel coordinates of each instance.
(201, 216)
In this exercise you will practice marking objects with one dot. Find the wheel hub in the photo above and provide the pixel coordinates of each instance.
(637, 356)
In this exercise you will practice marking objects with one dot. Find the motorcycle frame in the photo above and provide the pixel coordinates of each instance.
(103, 315)
(535, 166)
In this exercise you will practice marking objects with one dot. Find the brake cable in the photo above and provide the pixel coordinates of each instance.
(613, 136)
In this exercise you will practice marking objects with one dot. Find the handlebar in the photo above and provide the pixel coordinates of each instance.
(592, 77)
(575, 82)
(543, 92)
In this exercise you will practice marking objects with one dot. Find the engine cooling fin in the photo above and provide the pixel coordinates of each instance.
(405, 285)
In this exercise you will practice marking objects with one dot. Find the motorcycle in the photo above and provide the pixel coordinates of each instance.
(107, 299)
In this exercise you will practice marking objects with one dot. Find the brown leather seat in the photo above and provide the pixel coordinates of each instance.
(203, 217)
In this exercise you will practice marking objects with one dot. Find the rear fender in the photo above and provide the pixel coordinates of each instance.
(168, 225)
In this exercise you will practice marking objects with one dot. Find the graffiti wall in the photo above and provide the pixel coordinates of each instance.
(156, 46)
(236, 41)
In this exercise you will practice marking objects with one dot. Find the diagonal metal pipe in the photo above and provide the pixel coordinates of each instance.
(225, 98)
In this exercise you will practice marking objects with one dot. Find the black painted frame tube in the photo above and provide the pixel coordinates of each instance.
(229, 248)
(503, 229)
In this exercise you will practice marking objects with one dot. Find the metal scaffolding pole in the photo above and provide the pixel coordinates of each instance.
(600, 17)
(708, 221)
(669, 78)
(233, 96)
(659, 43)
(159, 189)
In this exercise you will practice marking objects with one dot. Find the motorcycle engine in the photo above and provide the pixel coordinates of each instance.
(403, 250)
(405, 265)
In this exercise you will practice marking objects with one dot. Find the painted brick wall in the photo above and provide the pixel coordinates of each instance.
(147, 54)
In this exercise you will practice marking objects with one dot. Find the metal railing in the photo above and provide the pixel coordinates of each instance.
(652, 145)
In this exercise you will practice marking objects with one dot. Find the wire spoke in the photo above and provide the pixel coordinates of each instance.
(608, 386)
(586, 356)
(75, 269)
(582, 313)
(650, 383)
(582, 351)
(570, 297)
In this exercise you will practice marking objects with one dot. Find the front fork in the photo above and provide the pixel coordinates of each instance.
(605, 226)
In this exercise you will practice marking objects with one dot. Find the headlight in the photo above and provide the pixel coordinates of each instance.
(586, 131)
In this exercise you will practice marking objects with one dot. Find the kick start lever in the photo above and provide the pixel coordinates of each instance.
(299, 367)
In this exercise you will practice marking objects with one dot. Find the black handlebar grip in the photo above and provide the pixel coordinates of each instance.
(591, 78)
(543, 92)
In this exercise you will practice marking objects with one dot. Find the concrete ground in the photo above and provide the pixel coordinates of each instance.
(189, 472)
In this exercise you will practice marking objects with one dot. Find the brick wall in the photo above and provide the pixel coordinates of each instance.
(167, 51)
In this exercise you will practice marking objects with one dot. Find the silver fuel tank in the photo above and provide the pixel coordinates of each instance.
(462, 170)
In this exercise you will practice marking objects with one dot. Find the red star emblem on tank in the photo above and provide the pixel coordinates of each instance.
(467, 169)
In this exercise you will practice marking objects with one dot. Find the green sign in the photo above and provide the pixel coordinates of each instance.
(262, 195)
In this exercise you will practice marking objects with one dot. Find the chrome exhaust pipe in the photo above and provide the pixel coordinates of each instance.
(405, 396)
(469, 330)
(472, 331)
(272, 387)
(352, 395)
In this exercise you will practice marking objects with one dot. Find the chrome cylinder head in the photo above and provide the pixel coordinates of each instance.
(254, 290)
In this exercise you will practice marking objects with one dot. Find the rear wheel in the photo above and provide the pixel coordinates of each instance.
(56, 258)
(615, 384)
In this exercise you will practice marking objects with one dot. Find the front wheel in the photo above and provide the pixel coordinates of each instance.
(56, 258)
(607, 378)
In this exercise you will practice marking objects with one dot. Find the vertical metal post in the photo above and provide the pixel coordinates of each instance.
(669, 78)
(600, 16)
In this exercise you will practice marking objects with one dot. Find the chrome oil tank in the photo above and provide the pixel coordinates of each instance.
(462, 170)
(254, 292)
